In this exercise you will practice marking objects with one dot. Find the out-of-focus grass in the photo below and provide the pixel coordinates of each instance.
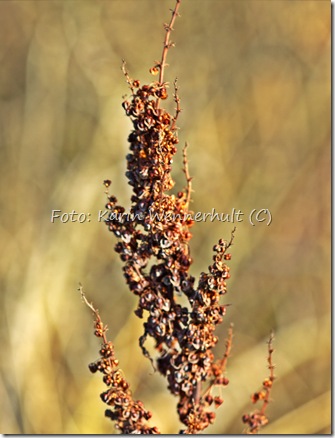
(254, 81)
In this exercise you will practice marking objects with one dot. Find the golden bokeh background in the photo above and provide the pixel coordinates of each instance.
(254, 79)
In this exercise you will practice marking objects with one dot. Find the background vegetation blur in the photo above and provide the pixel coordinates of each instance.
(254, 82)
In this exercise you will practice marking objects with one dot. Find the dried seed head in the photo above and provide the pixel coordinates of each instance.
(154, 70)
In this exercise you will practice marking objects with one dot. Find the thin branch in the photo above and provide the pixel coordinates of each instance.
(187, 174)
(178, 109)
(88, 304)
(128, 79)
(229, 344)
(96, 314)
(167, 44)
(231, 238)
(267, 384)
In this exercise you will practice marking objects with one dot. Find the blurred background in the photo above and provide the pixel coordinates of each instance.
(254, 81)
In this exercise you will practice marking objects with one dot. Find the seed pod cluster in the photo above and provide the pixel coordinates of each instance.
(156, 232)
(129, 416)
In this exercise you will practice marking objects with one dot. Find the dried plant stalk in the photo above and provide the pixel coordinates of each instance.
(153, 243)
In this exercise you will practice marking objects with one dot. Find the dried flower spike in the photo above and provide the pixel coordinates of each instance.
(179, 314)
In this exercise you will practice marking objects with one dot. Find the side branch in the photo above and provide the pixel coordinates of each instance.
(257, 419)
(129, 416)
(187, 174)
(178, 108)
(128, 79)
(229, 344)
(269, 381)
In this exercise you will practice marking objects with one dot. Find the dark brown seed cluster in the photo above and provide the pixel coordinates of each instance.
(128, 415)
(180, 316)
(255, 421)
